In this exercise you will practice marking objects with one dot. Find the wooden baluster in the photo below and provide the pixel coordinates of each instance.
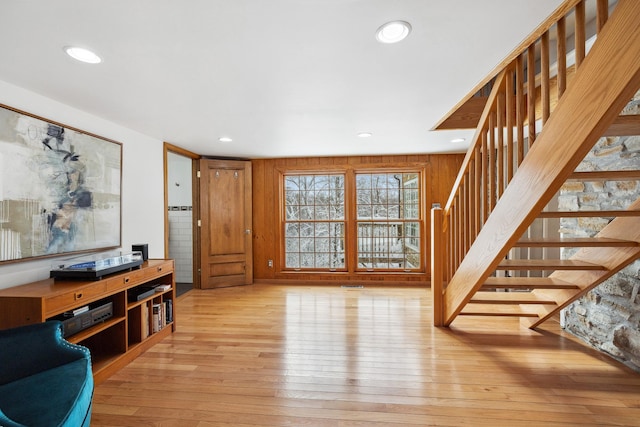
(485, 177)
(544, 73)
(492, 161)
(471, 212)
(452, 246)
(562, 56)
(509, 121)
(446, 226)
(580, 36)
(464, 213)
(531, 92)
(460, 225)
(500, 112)
(478, 199)
(602, 14)
(520, 107)
(452, 239)
(454, 233)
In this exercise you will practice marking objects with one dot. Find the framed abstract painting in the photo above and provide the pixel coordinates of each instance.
(60, 189)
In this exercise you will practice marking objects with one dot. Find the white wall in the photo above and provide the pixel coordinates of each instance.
(142, 179)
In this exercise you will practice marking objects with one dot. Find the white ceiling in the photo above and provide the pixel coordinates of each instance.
(281, 77)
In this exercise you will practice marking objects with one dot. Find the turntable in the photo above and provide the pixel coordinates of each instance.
(94, 267)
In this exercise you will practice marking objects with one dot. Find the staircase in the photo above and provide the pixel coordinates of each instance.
(507, 181)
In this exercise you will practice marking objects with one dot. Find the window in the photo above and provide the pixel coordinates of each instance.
(388, 221)
(314, 221)
(356, 221)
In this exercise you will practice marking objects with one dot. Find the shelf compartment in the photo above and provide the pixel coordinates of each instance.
(133, 304)
(108, 344)
(85, 334)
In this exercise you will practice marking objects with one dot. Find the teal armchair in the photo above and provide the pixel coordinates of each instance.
(45, 381)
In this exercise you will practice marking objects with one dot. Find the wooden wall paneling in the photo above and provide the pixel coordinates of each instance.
(261, 238)
(425, 213)
(256, 214)
(272, 232)
(439, 176)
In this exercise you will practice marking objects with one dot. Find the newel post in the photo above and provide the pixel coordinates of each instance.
(437, 263)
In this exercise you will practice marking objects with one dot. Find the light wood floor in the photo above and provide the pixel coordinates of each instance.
(328, 356)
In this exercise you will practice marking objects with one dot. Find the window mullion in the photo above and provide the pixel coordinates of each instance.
(351, 231)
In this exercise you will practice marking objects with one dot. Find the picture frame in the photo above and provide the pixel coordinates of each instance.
(60, 189)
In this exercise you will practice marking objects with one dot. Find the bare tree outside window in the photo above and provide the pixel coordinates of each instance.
(314, 221)
(388, 221)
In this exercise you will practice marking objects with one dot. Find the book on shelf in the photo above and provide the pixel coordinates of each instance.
(169, 310)
(145, 321)
(157, 319)
(163, 316)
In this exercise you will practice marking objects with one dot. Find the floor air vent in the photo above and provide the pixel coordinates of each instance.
(352, 286)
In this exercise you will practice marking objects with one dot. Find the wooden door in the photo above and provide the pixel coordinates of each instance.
(225, 214)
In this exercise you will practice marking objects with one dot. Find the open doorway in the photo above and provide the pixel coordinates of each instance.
(180, 221)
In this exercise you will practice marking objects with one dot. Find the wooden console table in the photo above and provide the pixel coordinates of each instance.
(118, 339)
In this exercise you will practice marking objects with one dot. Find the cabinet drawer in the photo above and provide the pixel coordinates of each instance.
(72, 299)
(125, 280)
(158, 270)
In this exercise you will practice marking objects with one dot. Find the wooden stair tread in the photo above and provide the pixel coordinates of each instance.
(527, 283)
(497, 310)
(621, 175)
(576, 242)
(509, 298)
(624, 125)
(596, 214)
(547, 264)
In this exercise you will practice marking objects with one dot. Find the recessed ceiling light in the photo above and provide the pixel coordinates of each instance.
(454, 140)
(364, 134)
(225, 139)
(82, 54)
(393, 32)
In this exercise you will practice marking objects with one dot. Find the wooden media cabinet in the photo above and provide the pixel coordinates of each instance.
(118, 339)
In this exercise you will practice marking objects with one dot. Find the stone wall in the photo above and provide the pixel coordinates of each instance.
(607, 317)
